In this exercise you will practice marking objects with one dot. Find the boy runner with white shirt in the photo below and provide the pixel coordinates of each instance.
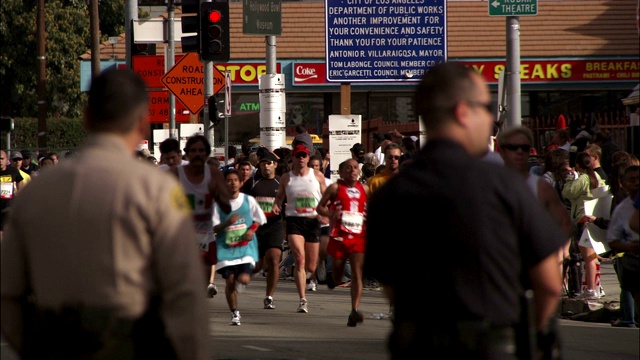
(236, 242)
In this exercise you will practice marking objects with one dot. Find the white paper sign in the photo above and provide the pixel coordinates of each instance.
(593, 236)
(344, 132)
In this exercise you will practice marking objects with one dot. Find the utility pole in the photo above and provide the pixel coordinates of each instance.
(514, 107)
(94, 19)
(42, 77)
(130, 14)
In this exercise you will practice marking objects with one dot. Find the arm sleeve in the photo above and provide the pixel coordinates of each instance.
(573, 189)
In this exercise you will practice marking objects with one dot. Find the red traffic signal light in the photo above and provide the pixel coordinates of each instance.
(215, 16)
(214, 31)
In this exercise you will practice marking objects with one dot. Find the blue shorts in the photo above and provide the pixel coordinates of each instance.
(235, 270)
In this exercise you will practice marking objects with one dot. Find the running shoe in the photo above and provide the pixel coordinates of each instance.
(235, 318)
(588, 295)
(303, 306)
(354, 318)
(312, 286)
(240, 288)
(268, 303)
(212, 290)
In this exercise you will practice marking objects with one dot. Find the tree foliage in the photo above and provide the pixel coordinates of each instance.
(67, 37)
(63, 134)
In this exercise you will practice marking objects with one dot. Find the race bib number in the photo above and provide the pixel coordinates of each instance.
(305, 203)
(6, 190)
(235, 234)
(352, 221)
(266, 204)
(204, 239)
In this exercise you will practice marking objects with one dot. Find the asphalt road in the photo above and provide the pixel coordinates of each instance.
(282, 333)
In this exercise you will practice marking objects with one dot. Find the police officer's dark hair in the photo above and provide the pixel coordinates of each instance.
(441, 89)
(168, 145)
(195, 139)
(115, 99)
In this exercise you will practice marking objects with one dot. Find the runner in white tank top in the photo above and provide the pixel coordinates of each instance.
(303, 194)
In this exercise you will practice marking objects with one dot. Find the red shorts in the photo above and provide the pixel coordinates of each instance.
(349, 245)
(210, 257)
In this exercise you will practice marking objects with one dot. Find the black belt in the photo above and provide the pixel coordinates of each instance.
(477, 339)
(80, 332)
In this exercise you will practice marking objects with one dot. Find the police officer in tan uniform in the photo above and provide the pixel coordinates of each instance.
(94, 262)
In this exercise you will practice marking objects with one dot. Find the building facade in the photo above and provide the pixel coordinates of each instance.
(579, 59)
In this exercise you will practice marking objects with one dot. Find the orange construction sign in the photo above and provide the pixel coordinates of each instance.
(186, 81)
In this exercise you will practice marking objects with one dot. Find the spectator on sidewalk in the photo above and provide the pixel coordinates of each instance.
(498, 253)
(514, 145)
(392, 152)
(357, 153)
(578, 189)
(378, 140)
(603, 140)
(624, 240)
(596, 155)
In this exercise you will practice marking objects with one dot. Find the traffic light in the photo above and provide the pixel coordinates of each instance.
(190, 24)
(214, 31)
(140, 48)
(143, 49)
(6, 123)
(215, 116)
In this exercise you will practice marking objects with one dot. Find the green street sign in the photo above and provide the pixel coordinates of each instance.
(513, 7)
(262, 17)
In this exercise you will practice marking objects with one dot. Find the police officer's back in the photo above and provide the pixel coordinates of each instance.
(106, 272)
(478, 237)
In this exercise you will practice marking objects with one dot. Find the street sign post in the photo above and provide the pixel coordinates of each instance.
(186, 81)
(262, 17)
(513, 7)
(227, 94)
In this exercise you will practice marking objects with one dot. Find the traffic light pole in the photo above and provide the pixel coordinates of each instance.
(170, 61)
(208, 91)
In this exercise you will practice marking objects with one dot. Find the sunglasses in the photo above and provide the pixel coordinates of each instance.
(301, 155)
(487, 106)
(393, 157)
(515, 147)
